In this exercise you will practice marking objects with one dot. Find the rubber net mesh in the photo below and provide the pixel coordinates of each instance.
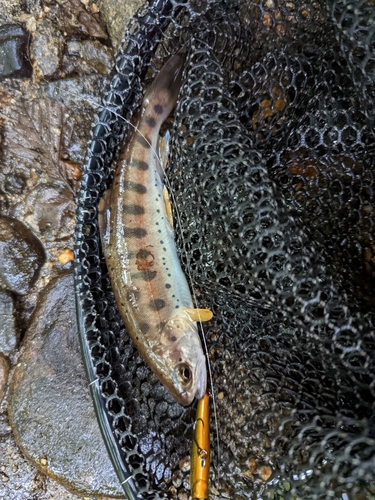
(271, 178)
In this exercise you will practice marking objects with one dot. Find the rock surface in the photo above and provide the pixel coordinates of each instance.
(19, 479)
(116, 15)
(46, 50)
(50, 408)
(87, 55)
(21, 255)
(14, 60)
(8, 336)
(45, 124)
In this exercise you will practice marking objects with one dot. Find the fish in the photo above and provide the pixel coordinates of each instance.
(200, 453)
(136, 228)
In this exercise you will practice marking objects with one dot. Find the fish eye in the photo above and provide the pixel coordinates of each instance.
(184, 373)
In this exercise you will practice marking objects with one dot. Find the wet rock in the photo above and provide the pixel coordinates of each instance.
(8, 337)
(46, 50)
(19, 478)
(72, 18)
(50, 408)
(116, 14)
(49, 208)
(14, 60)
(87, 55)
(4, 372)
(22, 256)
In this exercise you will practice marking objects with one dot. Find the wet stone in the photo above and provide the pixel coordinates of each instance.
(14, 60)
(87, 55)
(4, 372)
(8, 338)
(46, 50)
(50, 407)
(21, 256)
(116, 14)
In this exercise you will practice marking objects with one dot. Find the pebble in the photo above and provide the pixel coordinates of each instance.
(14, 60)
(184, 464)
(50, 407)
(8, 336)
(22, 256)
(65, 256)
(265, 472)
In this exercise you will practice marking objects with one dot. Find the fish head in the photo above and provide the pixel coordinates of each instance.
(188, 372)
(166, 87)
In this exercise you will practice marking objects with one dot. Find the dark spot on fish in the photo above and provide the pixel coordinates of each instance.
(161, 242)
(143, 141)
(151, 122)
(133, 186)
(159, 230)
(158, 211)
(144, 275)
(157, 304)
(144, 327)
(163, 247)
(173, 338)
(143, 253)
(133, 209)
(134, 232)
(177, 307)
(158, 109)
(144, 260)
(167, 285)
(142, 165)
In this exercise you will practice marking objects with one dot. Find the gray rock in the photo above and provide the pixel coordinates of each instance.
(14, 60)
(21, 256)
(20, 479)
(50, 408)
(8, 337)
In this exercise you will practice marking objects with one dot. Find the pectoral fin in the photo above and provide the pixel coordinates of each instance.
(199, 314)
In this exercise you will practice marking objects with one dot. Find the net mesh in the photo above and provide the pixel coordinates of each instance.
(271, 177)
